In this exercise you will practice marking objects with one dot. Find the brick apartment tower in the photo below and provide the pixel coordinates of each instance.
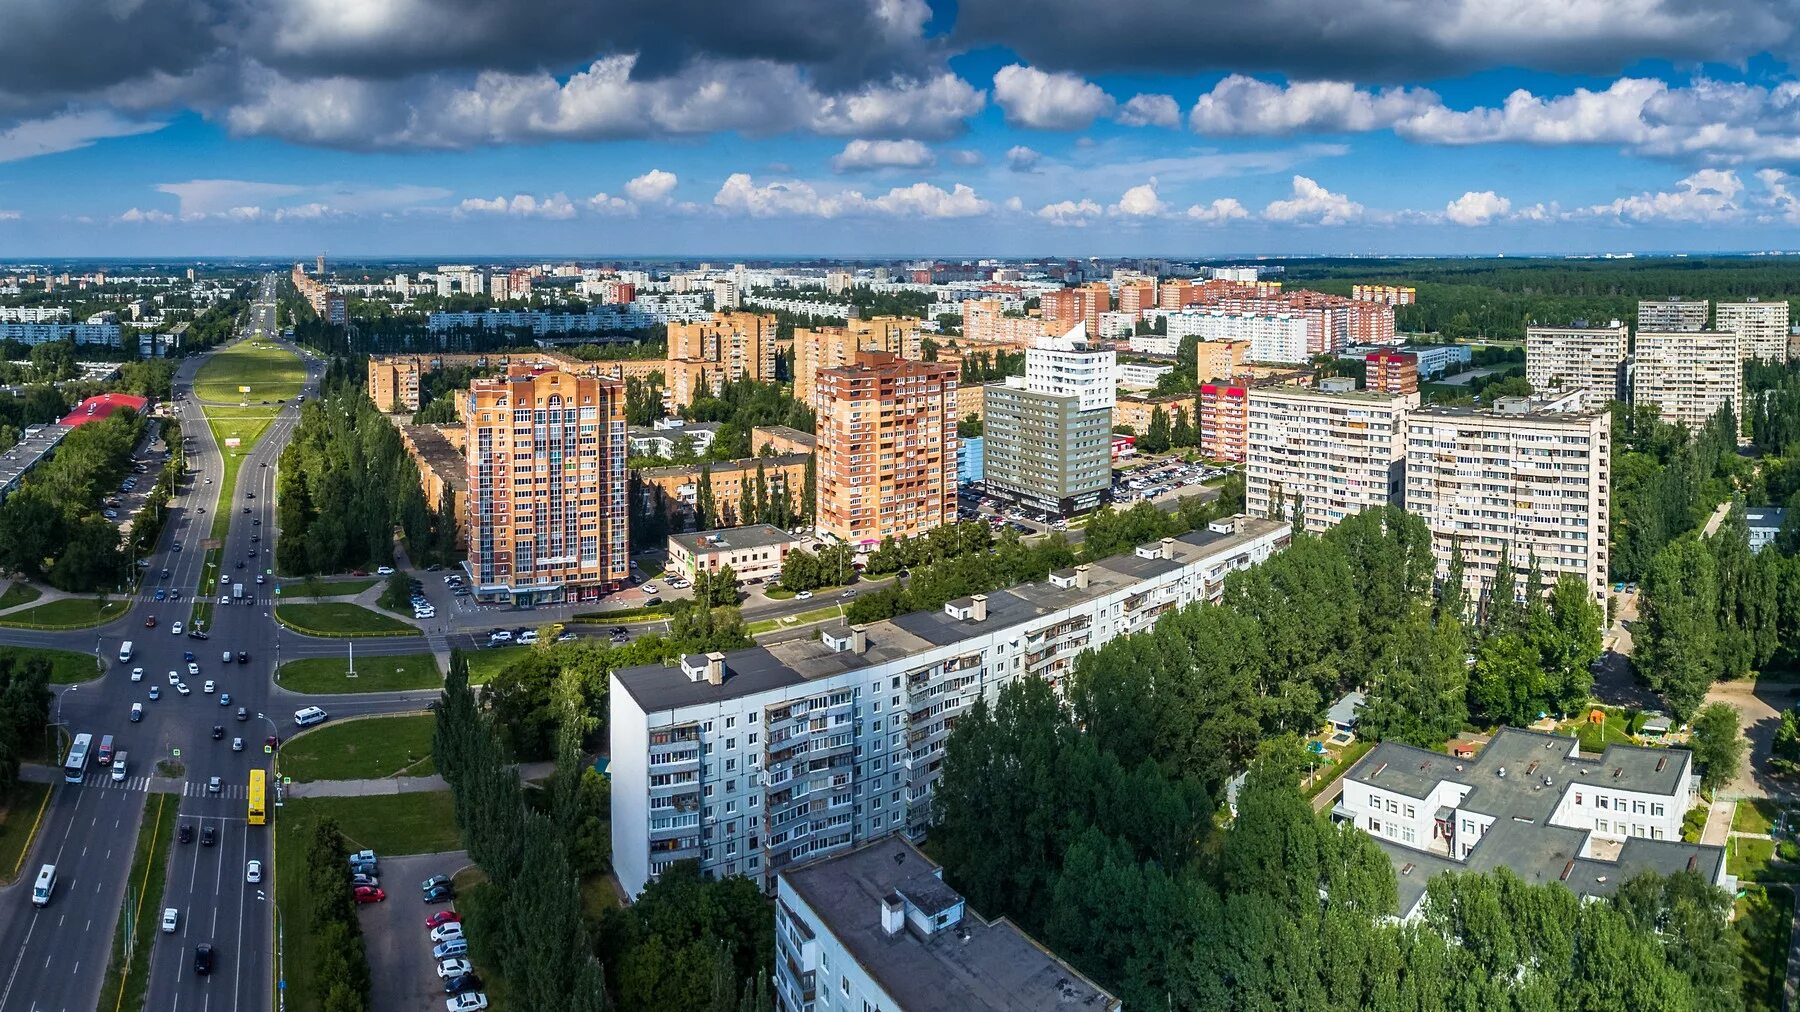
(1391, 372)
(887, 448)
(546, 456)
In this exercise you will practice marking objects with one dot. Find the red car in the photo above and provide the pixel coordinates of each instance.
(150, 623)
(443, 917)
(358, 572)
(369, 894)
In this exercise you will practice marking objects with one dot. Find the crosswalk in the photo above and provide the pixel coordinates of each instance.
(144, 784)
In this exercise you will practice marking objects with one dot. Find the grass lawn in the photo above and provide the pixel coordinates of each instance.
(485, 664)
(651, 613)
(1764, 919)
(18, 823)
(391, 824)
(1752, 860)
(338, 619)
(778, 593)
(598, 895)
(792, 621)
(68, 613)
(271, 373)
(18, 594)
(374, 673)
(126, 983)
(247, 427)
(1341, 761)
(66, 666)
(1595, 737)
(312, 586)
(367, 748)
(1755, 815)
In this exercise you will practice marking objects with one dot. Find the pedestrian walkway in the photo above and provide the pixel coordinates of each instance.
(1718, 822)
(395, 785)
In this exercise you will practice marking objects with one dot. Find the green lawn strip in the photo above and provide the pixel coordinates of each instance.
(332, 618)
(68, 613)
(271, 372)
(247, 428)
(647, 613)
(1754, 815)
(1763, 923)
(479, 903)
(778, 593)
(1340, 762)
(485, 664)
(18, 825)
(374, 673)
(421, 822)
(18, 594)
(312, 586)
(125, 982)
(66, 666)
(200, 615)
(366, 748)
(1753, 860)
(792, 621)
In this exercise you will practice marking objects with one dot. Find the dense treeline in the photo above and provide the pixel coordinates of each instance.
(983, 367)
(1010, 562)
(340, 974)
(1111, 531)
(51, 528)
(741, 405)
(346, 483)
(24, 712)
(1665, 482)
(36, 406)
(218, 324)
(968, 537)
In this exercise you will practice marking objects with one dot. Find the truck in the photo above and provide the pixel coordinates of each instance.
(237, 592)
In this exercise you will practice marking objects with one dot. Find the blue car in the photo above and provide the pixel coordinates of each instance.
(162, 595)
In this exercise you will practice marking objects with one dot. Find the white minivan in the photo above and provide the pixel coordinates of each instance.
(307, 716)
(45, 885)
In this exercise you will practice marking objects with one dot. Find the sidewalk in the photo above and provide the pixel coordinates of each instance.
(395, 785)
(1718, 823)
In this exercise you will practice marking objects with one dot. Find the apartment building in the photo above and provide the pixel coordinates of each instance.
(878, 926)
(818, 348)
(1761, 327)
(1675, 314)
(1387, 295)
(1220, 360)
(394, 382)
(986, 321)
(1518, 478)
(733, 481)
(1137, 296)
(887, 448)
(734, 345)
(546, 456)
(1391, 372)
(1272, 336)
(1043, 451)
(1224, 420)
(1579, 357)
(1533, 804)
(1137, 411)
(1688, 375)
(1333, 452)
(754, 553)
(781, 439)
(443, 468)
(755, 759)
(1063, 308)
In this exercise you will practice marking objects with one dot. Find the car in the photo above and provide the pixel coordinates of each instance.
(259, 578)
(208, 834)
(174, 593)
(364, 856)
(454, 968)
(363, 878)
(110, 514)
(246, 509)
(182, 687)
(164, 575)
(193, 668)
(243, 656)
(257, 522)
(499, 636)
(442, 917)
(249, 495)
(243, 713)
(254, 538)
(150, 622)
(185, 834)
(650, 589)
(566, 637)
(174, 629)
(155, 692)
(359, 572)
(446, 932)
(253, 871)
(171, 917)
(174, 677)
(161, 594)
(224, 699)
(224, 579)
(223, 600)
(218, 732)
(473, 1001)
(442, 894)
(240, 563)
(368, 894)
(207, 686)
(454, 947)
(199, 634)
(434, 882)
(384, 571)
(237, 744)
(805, 595)
(461, 983)
(203, 959)
(271, 742)
(137, 674)
(213, 784)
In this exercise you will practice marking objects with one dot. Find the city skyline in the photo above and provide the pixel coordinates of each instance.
(191, 128)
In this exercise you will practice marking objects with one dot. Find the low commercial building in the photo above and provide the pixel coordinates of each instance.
(1141, 376)
(661, 439)
(1438, 359)
(754, 553)
(1533, 804)
(102, 406)
(753, 760)
(1765, 523)
(878, 925)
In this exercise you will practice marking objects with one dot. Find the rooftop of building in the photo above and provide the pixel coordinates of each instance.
(787, 432)
(24, 455)
(102, 406)
(725, 466)
(439, 454)
(970, 964)
(1510, 409)
(795, 662)
(1311, 393)
(729, 538)
(1765, 516)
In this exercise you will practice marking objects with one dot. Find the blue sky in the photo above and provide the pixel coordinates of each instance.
(894, 127)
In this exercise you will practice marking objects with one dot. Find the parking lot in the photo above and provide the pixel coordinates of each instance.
(1165, 480)
(403, 975)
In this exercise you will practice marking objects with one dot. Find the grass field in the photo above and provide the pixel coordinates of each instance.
(125, 982)
(338, 619)
(1753, 860)
(364, 749)
(792, 621)
(312, 586)
(247, 427)
(68, 613)
(1754, 815)
(1764, 919)
(271, 372)
(19, 594)
(374, 673)
(17, 821)
(485, 664)
(66, 666)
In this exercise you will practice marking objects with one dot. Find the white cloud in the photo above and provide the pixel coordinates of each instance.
(1069, 212)
(153, 217)
(1020, 158)
(1032, 98)
(67, 132)
(652, 186)
(1150, 110)
(605, 203)
(1218, 212)
(741, 194)
(1780, 197)
(246, 199)
(1140, 201)
(965, 156)
(1613, 116)
(923, 200)
(1709, 195)
(1312, 204)
(6, 215)
(556, 207)
(1240, 105)
(1477, 208)
(862, 154)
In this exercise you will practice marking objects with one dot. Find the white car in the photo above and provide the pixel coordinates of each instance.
(193, 668)
(468, 1002)
(174, 678)
(445, 932)
(182, 687)
(454, 968)
(805, 595)
(171, 917)
(137, 674)
(176, 629)
(253, 871)
(384, 571)
(207, 687)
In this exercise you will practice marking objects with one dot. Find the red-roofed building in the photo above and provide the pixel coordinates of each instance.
(95, 408)
(1224, 420)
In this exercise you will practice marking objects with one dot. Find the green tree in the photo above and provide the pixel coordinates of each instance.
(1156, 436)
(1717, 744)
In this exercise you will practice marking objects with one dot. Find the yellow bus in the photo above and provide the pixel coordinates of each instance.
(257, 811)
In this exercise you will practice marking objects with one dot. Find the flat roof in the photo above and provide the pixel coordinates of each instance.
(725, 539)
(31, 448)
(440, 455)
(102, 406)
(971, 964)
(724, 466)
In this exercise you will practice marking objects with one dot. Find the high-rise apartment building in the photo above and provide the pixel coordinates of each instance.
(1761, 327)
(1387, 295)
(1065, 307)
(887, 448)
(817, 348)
(985, 321)
(1220, 360)
(727, 295)
(394, 382)
(1272, 337)
(1333, 452)
(1671, 314)
(1137, 295)
(546, 454)
(1688, 375)
(1391, 372)
(1049, 432)
(737, 345)
(1519, 478)
(1578, 357)
(1224, 420)
(755, 759)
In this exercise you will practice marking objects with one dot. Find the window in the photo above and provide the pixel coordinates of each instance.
(844, 985)
(729, 722)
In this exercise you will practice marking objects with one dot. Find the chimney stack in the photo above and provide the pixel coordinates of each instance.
(1081, 576)
(893, 914)
(859, 639)
(715, 668)
(1168, 548)
(980, 607)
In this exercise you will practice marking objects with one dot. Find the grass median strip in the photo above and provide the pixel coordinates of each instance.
(374, 673)
(366, 748)
(66, 666)
(270, 371)
(128, 973)
(793, 621)
(485, 664)
(332, 618)
(68, 613)
(312, 586)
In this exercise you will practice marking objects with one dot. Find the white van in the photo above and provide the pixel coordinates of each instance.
(307, 716)
(46, 884)
(125, 652)
(118, 766)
